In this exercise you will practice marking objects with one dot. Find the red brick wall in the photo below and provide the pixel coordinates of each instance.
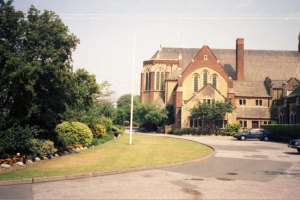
(240, 59)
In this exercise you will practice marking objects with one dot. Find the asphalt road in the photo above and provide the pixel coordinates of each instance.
(238, 170)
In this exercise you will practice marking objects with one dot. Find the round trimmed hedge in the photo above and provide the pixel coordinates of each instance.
(72, 133)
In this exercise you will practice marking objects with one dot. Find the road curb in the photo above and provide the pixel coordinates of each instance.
(99, 174)
(48, 179)
(16, 182)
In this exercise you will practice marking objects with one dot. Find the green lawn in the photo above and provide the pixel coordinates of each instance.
(116, 155)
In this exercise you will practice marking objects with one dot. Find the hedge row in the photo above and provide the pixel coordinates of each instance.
(195, 131)
(283, 132)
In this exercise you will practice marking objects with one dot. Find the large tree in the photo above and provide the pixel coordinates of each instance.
(124, 107)
(210, 113)
(35, 66)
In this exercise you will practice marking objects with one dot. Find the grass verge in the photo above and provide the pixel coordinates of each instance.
(116, 155)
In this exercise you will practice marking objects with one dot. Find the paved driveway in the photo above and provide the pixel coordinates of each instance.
(238, 170)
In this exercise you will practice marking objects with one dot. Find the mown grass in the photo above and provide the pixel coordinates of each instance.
(115, 155)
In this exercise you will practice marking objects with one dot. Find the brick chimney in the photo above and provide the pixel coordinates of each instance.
(239, 58)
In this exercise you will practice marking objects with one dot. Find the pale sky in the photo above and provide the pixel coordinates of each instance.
(106, 28)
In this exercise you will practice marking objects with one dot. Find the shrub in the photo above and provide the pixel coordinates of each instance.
(71, 133)
(107, 122)
(126, 123)
(16, 139)
(283, 132)
(105, 138)
(99, 130)
(193, 131)
(42, 147)
(231, 129)
(150, 117)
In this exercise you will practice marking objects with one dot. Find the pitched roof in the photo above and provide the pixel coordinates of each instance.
(250, 89)
(187, 54)
(278, 83)
(258, 64)
(253, 112)
(296, 92)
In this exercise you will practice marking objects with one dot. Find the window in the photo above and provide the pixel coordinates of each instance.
(159, 80)
(207, 101)
(242, 102)
(196, 78)
(243, 124)
(147, 85)
(214, 80)
(258, 102)
(204, 77)
(205, 57)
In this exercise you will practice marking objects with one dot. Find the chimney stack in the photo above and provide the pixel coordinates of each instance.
(239, 58)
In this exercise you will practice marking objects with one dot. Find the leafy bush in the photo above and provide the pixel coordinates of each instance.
(194, 131)
(151, 117)
(105, 138)
(126, 123)
(283, 132)
(99, 130)
(71, 133)
(42, 147)
(107, 122)
(16, 139)
(231, 129)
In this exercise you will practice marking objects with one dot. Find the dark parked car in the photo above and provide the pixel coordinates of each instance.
(295, 144)
(256, 133)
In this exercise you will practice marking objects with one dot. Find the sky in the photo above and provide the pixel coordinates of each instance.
(116, 35)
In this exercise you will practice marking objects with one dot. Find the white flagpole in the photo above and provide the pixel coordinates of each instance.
(132, 89)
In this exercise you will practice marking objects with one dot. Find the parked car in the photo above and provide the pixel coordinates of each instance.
(256, 133)
(295, 144)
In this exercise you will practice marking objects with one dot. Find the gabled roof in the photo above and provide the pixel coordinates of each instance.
(250, 89)
(207, 86)
(278, 83)
(258, 64)
(296, 92)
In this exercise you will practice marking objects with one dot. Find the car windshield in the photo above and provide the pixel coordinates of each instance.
(254, 131)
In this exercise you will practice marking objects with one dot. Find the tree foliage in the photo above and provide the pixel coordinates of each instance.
(124, 107)
(209, 113)
(35, 65)
(150, 117)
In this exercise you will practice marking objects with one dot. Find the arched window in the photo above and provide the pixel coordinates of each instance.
(147, 85)
(196, 78)
(214, 80)
(159, 80)
(205, 78)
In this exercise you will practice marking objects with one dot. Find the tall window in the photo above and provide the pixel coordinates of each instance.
(204, 77)
(214, 80)
(160, 79)
(196, 78)
(147, 85)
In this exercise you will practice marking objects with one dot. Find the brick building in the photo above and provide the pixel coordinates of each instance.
(249, 78)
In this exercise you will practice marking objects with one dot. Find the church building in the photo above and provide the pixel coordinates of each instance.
(251, 79)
